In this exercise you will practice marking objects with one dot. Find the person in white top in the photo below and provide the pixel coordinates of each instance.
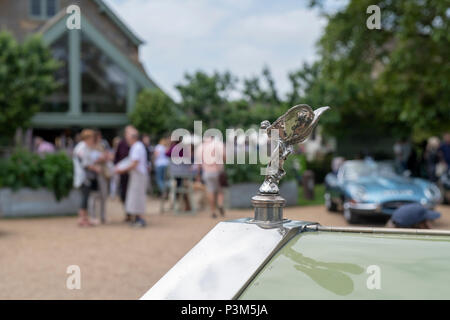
(161, 163)
(136, 198)
(86, 169)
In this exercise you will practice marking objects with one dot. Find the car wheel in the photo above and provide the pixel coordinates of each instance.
(329, 204)
(350, 216)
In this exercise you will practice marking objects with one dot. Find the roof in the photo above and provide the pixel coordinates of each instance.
(126, 30)
(104, 9)
(54, 27)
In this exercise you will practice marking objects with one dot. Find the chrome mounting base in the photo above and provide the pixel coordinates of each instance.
(268, 210)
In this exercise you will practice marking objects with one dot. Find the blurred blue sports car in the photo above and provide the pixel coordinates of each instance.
(373, 188)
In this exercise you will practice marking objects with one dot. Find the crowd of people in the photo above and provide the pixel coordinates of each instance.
(125, 168)
(128, 167)
(429, 160)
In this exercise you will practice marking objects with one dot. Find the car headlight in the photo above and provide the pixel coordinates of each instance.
(357, 193)
(432, 192)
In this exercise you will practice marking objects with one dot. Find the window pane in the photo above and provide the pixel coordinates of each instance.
(51, 8)
(104, 84)
(59, 100)
(36, 7)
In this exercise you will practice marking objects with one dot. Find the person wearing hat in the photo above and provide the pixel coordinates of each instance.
(412, 215)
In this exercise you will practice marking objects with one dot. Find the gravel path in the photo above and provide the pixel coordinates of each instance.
(116, 261)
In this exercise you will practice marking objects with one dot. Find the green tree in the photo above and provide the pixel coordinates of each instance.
(154, 113)
(415, 77)
(264, 102)
(26, 78)
(261, 89)
(206, 97)
(309, 87)
(395, 80)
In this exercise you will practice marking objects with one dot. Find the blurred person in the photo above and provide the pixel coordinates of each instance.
(42, 146)
(181, 171)
(85, 172)
(103, 157)
(406, 153)
(431, 158)
(212, 155)
(397, 148)
(402, 151)
(59, 143)
(200, 196)
(115, 144)
(68, 141)
(136, 197)
(77, 138)
(412, 163)
(422, 167)
(146, 140)
(444, 149)
(161, 161)
(69, 145)
(336, 163)
(122, 152)
(115, 179)
(412, 215)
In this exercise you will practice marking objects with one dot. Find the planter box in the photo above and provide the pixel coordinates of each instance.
(40, 202)
(239, 195)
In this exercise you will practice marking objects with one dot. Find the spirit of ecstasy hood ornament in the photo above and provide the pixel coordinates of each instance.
(293, 127)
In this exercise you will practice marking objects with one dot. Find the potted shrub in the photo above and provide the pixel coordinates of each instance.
(33, 185)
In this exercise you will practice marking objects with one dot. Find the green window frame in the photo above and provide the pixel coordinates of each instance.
(136, 81)
(44, 6)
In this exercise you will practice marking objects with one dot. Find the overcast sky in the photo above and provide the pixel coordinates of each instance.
(237, 35)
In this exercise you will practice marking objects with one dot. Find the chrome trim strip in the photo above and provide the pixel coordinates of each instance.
(224, 262)
(380, 230)
(363, 206)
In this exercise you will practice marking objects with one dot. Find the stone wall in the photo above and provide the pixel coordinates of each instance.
(41, 202)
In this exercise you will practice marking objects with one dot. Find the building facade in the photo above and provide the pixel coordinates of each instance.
(100, 74)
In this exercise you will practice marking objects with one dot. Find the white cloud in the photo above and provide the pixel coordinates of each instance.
(278, 28)
(237, 35)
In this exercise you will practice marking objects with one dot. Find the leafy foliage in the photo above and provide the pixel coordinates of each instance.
(238, 173)
(206, 97)
(394, 80)
(25, 169)
(26, 77)
(154, 113)
(210, 98)
(254, 91)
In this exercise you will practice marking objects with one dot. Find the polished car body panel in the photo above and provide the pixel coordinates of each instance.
(224, 261)
(338, 265)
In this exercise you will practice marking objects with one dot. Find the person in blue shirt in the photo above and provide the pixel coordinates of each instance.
(412, 215)
(444, 149)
